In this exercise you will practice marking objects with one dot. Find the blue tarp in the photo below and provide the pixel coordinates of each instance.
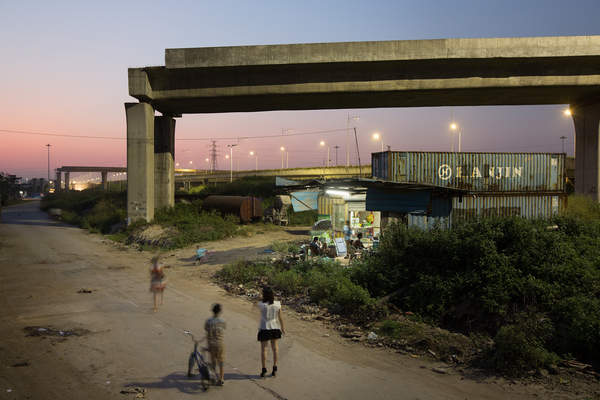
(304, 201)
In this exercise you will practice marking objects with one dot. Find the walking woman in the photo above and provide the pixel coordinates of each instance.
(158, 282)
(271, 328)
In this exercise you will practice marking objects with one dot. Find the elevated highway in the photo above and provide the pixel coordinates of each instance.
(186, 179)
(397, 73)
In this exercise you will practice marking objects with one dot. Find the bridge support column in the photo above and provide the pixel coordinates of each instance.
(164, 155)
(104, 180)
(587, 149)
(140, 161)
(57, 187)
(67, 181)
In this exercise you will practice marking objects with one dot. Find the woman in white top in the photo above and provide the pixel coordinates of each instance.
(271, 328)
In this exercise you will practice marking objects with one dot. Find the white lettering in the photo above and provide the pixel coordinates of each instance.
(476, 173)
(507, 172)
(459, 172)
(517, 171)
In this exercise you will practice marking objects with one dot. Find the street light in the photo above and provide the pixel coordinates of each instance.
(282, 151)
(569, 113)
(354, 118)
(378, 136)
(252, 153)
(322, 143)
(454, 127)
(48, 146)
(231, 146)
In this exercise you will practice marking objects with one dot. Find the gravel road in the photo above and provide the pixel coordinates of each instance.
(111, 341)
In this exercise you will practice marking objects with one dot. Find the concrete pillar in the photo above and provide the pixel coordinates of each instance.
(67, 181)
(57, 187)
(104, 180)
(164, 156)
(140, 161)
(587, 149)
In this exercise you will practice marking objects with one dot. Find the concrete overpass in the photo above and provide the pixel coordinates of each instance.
(186, 179)
(67, 169)
(406, 73)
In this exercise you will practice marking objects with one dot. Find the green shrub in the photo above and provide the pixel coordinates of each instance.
(477, 276)
(280, 246)
(289, 282)
(520, 346)
(302, 218)
(243, 272)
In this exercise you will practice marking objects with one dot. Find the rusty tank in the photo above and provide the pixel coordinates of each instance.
(245, 207)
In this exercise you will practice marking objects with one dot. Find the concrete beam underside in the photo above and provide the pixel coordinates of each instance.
(140, 161)
(586, 119)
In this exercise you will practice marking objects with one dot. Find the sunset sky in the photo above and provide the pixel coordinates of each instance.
(63, 70)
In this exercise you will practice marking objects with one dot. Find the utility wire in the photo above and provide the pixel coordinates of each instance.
(6, 131)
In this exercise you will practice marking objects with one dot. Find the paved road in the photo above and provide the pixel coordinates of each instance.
(43, 265)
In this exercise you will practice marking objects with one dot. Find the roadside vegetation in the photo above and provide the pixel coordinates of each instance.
(183, 225)
(529, 289)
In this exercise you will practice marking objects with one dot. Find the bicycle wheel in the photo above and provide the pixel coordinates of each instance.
(191, 362)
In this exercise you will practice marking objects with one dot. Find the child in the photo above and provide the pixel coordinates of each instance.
(157, 281)
(215, 329)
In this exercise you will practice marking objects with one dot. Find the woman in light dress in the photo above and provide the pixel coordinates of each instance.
(270, 330)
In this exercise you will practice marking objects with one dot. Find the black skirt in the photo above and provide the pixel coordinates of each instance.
(268, 334)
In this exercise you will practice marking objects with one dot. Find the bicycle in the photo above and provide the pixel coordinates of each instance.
(198, 358)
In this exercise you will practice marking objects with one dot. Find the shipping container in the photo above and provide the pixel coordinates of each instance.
(526, 206)
(480, 206)
(475, 172)
(247, 208)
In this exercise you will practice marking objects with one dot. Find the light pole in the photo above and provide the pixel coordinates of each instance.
(378, 136)
(252, 153)
(454, 127)
(322, 143)
(354, 118)
(48, 146)
(282, 151)
(562, 138)
(231, 146)
(568, 113)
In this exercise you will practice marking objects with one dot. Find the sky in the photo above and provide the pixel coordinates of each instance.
(63, 70)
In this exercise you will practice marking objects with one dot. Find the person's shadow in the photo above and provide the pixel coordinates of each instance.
(181, 382)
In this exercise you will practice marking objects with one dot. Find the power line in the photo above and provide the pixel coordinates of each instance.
(6, 131)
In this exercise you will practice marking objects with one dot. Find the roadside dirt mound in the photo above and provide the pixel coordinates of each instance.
(153, 235)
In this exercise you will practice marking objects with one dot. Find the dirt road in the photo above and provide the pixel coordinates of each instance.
(123, 344)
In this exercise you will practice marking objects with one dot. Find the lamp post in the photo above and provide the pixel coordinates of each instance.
(231, 146)
(282, 153)
(322, 143)
(354, 118)
(48, 146)
(252, 153)
(568, 113)
(454, 127)
(378, 136)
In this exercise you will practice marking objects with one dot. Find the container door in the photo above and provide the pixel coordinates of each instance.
(554, 173)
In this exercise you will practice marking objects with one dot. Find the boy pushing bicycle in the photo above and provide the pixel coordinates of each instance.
(215, 329)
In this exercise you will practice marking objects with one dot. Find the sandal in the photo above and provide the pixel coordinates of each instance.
(263, 372)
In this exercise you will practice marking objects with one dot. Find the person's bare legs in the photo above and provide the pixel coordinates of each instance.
(263, 354)
(275, 349)
(155, 301)
(161, 296)
(221, 372)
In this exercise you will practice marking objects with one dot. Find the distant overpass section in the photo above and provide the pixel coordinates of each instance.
(399, 73)
(187, 178)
